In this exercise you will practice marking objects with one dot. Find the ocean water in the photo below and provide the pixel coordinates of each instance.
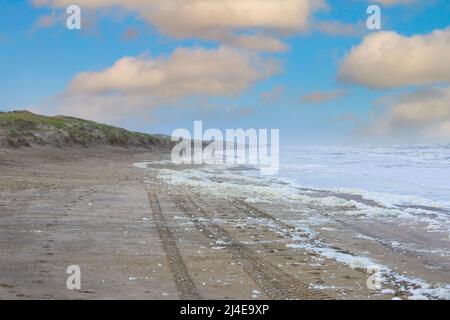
(397, 173)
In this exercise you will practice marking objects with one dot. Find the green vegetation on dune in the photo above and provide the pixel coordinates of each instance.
(24, 129)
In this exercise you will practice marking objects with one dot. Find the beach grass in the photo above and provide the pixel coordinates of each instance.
(24, 128)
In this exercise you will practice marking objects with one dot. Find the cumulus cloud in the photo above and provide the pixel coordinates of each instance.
(214, 20)
(322, 96)
(258, 43)
(187, 72)
(422, 116)
(388, 60)
(134, 83)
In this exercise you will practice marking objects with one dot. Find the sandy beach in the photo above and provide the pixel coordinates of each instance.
(135, 236)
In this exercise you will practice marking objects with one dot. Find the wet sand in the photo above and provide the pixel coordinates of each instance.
(135, 237)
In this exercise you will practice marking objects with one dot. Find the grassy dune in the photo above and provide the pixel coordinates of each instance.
(25, 129)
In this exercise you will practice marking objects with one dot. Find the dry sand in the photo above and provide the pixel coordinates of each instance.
(136, 238)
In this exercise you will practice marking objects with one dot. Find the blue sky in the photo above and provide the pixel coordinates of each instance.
(40, 59)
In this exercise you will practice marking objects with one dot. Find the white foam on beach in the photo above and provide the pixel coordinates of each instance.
(417, 288)
(233, 185)
(307, 239)
(256, 189)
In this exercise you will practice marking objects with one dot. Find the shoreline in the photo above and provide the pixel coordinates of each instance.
(137, 237)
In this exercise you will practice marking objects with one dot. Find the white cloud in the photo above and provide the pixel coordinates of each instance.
(388, 60)
(187, 72)
(258, 43)
(422, 116)
(135, 83)
(214, 20)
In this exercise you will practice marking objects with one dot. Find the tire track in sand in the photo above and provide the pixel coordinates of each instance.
(276, 283)
(255, 212)
(183, 281)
